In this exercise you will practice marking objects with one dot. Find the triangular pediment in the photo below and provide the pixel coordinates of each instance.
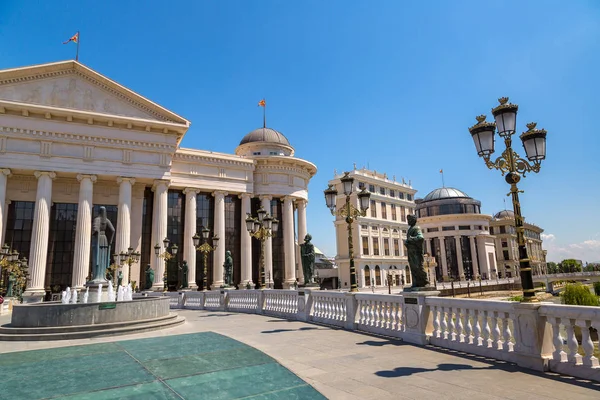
(71, 85)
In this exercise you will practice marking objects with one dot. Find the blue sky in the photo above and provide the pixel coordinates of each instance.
(391, 84)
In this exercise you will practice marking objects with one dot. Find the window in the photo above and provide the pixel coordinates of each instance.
(502, 229)
(409, 197)
(433, 229)
(505, 254)
(365, 245)
(396, 247)
(61, 239)
(273, 153)
(383, 210)
(394, 216)
(382, 191)
(372, 188)
(364, 226)
(377, 276)
(504, 243)
(375, 246)
(368, 280)
(464, 227)
(400, 195)
(491, 230)
(392, 193)
(256, 153)
(448, 228)
(403, 213)
(386, 247)
(373, 209)
(361, 185)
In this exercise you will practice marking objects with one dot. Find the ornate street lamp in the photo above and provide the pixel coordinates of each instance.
(129, 258)
(262, 227)
(205, 248)
(513, 166)
(350, 213)
(166, 255)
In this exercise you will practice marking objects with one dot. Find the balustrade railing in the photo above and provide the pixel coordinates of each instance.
(329, 308)
(381, 314)
(280, 302)
(243, 300)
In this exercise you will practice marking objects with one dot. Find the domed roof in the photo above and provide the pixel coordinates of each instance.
(505, 214)
(267, 135)
(445, 193)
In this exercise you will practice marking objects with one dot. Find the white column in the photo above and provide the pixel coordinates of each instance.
(137, 213)
(159, 230)
(301, 204)
(38, 252)
(5, 216)
(219, 253)
(474, 261)
(246, 244)
(288, 242)
(4, 174)
(485, 267)
(268, 256)
(443, 257)
(189, 230)
(459, 259)
(83, 232)
(124, 221)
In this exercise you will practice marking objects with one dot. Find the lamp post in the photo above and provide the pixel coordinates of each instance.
(262, 227)
(166, 255)
(205, 248)
(130, 257)
(350, 213)
(390, 276)
(513, 166)
(11, 265)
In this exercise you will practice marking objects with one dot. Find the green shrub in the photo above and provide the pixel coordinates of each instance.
(516, 298)
(578, 295)
(597, 288)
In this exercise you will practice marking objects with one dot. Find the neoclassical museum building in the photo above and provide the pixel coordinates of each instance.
(72, 140)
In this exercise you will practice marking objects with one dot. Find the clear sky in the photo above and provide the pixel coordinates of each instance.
(389, 84)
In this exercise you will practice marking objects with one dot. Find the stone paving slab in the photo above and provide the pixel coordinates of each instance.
(348, 365)
(202, 365)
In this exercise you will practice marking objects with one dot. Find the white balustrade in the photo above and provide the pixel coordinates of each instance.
(381, 314)
(280, 302)
(212, 300)
(243, 300)
(193, 300)
(329, 308)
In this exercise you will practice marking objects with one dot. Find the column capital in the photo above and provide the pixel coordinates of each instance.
(288, 198)
(5, 171)
(81, 177)
(265, 197)
(191, 190)
(219, 193)
(39, 174)
(122, 179)
(301, 202)
(160, 182)
(245, 195)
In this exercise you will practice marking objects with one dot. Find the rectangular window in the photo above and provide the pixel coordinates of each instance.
(505, 254)
(491, 230)
(383, 210)
(504, 243)
(365, 245)
(394, 216)
(386, 247)
(382, 191)
(373, 209)
(273, 153)
(372, 188)
(361, 185)
(256, 153)
(464, 227)
(400, 195)
(433, 229)
(403, 213)
(502, 229)
(364, 226)
(409, 197)
(375, 246)
(448, 228)
(396, 247)
(392, 193)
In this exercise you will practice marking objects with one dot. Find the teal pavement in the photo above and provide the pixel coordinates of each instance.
(196, 366)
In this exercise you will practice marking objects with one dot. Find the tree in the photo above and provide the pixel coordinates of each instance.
(578, 294)
(552, 267)
(570, 265)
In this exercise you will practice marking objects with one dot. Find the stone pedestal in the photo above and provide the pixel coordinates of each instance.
(416, 314)
(532, 339)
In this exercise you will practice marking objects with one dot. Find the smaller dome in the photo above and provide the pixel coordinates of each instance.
(445, 193)
(505, 214)
(265, 135)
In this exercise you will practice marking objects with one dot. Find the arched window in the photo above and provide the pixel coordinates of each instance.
(367, 276)
(407, 274)
(377, 276)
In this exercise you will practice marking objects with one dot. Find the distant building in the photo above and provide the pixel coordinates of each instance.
(378, 237)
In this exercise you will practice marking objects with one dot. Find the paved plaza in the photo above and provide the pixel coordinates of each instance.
(184, 362)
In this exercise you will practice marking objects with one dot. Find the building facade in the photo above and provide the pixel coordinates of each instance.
(502, 226)
(72, 140)
(378, 237)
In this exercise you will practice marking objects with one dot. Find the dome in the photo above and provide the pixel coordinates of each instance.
(265, 135)
(505, 214)
(445, 193)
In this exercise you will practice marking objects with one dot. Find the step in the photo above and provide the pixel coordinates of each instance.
(159, 323)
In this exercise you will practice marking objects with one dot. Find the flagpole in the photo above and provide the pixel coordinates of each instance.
(78, 40)
(265, 114)
(442, 172)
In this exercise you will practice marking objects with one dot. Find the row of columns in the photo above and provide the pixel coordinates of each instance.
(474, 241)
(82, 246)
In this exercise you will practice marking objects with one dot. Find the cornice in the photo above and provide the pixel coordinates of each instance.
(84, 139)
(213, 160)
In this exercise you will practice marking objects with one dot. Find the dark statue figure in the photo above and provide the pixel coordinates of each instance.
(12, 279)
(307, 252)
(228, 269)
(414, 244)
(119, 278)
(149, 278)
(184, 274)
(101, 244)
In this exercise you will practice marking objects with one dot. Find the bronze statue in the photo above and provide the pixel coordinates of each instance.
(101, 245)
(184, 275)
(120, 278)
(414, 244)
(228, 269)
(307, 252)
(149, 278)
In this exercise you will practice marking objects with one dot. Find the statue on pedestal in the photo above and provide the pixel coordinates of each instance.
(11, 284)
(101, 244)
(307, 252)
(184, 275)
(149, 278)
(228, 269)
(414, 245)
